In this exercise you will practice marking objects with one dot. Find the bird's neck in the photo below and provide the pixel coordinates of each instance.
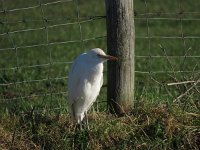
(97, 68)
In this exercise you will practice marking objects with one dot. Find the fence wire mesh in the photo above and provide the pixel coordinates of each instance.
(40, 39)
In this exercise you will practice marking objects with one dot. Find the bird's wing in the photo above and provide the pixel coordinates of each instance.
(75, 80)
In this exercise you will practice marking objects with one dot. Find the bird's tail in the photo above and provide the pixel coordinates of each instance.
(75, 116)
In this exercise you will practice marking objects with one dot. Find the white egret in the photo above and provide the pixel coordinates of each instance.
(85, 81)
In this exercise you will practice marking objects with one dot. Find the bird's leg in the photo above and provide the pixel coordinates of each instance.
(81, 125)
(78, 127)
(86, 116)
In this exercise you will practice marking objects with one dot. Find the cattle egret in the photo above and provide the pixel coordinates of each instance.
(85, 81)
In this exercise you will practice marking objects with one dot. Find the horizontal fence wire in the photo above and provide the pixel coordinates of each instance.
(78, 20)
(40, 4)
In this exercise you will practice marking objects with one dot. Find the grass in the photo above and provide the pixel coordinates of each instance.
(33, 80)
(147, 127)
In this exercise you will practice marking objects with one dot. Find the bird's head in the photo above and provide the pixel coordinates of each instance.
(99, 55)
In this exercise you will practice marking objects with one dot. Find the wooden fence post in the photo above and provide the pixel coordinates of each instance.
(120, 43)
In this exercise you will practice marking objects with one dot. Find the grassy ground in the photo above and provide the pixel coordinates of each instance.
(146, 127)
(34, 66)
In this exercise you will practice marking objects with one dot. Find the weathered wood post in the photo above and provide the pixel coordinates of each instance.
(120, 43)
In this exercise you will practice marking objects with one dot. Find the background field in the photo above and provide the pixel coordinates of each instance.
(40, 39)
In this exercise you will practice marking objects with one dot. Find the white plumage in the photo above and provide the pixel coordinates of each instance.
(85, 81)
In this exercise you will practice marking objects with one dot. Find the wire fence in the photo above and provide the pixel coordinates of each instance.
(39, 40)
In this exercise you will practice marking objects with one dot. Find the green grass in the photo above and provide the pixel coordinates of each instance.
(34, 113)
